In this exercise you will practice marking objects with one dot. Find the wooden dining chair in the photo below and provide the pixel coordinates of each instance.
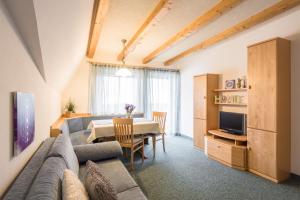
(124, 135)
(159, 117)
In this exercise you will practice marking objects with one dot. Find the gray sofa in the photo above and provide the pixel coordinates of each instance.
(77, 127)
(42, 176)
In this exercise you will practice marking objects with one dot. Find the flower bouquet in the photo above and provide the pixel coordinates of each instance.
(129, 109)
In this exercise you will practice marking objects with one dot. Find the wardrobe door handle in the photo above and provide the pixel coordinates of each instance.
(249, 87)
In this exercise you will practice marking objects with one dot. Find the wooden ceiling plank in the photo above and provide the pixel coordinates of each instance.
(99, 12)
(260, 17)
(216, 11)
(141, 29)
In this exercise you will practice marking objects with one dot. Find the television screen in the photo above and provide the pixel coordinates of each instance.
(233, 122)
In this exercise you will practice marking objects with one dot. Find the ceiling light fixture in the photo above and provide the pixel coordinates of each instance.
(123, 71)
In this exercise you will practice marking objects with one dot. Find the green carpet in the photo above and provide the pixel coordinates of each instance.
(184, 172)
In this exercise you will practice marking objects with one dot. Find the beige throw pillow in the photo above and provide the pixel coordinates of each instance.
(97, 185)
(72, 187)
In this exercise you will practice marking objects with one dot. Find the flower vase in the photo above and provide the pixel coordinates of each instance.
(128, 115)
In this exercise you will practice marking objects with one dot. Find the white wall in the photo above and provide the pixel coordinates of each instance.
(18, 73)
(229, 58)
(77, 88)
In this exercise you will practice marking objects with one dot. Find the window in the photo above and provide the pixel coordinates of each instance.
(148, 90)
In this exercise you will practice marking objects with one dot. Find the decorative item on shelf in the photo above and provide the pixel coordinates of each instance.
(69, 108)
(244, 82)
(239, 83)
(217, 99)
(237, 99)
(223, 99)
(129, 109)
(229, 84)
(233, 99)
(230, 99)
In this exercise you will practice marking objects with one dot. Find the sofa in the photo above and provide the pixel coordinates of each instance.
(77, 127)
(42, 176)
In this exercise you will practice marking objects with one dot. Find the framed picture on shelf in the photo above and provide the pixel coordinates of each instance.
(229, 84)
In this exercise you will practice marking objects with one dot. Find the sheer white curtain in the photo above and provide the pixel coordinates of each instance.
(163, 95)
(110, 93)
(148, 89)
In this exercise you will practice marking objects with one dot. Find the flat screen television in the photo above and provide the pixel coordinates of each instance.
(234, 123)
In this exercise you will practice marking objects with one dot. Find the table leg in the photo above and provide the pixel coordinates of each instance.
(146, 140)
(154, 145)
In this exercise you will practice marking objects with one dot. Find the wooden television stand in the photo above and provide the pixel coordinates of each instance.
(227, 148)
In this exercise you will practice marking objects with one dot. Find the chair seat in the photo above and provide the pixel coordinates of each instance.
(135, 141)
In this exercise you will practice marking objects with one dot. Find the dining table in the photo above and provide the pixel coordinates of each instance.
(105, 128)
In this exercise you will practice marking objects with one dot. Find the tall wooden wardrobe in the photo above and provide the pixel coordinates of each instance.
(269, 109)
(205, 111)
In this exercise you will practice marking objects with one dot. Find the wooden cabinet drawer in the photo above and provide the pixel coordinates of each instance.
(219, 150)
(227, 152)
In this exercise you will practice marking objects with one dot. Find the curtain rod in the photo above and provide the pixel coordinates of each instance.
(131, 66)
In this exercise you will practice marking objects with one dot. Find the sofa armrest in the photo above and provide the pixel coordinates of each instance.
(98, 151)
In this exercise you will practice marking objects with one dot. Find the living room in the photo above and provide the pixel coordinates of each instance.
(209, 89)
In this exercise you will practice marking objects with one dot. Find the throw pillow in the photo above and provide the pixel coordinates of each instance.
(97, 185)
(72, 187)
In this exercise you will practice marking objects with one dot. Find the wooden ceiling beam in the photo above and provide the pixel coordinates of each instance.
(141, 29)
(216, 11)
(260, 17)
(99, 12)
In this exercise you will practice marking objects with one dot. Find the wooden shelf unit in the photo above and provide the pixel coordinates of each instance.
(269, 109)
(222, 134)
(227, 148)
(55, 127)
(205, 111)
(265, 150)
(231, 90)
(232, 104)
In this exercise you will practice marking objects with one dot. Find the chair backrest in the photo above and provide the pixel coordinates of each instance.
(160, 117)
(123, 129)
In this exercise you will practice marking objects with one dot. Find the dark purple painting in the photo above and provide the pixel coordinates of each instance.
(24, 124)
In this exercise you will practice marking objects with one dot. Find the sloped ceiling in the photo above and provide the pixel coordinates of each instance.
(124, 18)
(63, 27)
(24, 22)
(54, 33)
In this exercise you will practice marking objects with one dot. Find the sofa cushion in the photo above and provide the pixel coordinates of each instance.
(133, 193)
(115, 171)
(72, 187)
(75, 124)
(65, 127)
(21, 185)
(97, 185)
(47, 184)
(79, 137)
(62, 147)
(98, 151)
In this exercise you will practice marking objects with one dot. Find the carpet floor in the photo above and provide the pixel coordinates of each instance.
(184, 172)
